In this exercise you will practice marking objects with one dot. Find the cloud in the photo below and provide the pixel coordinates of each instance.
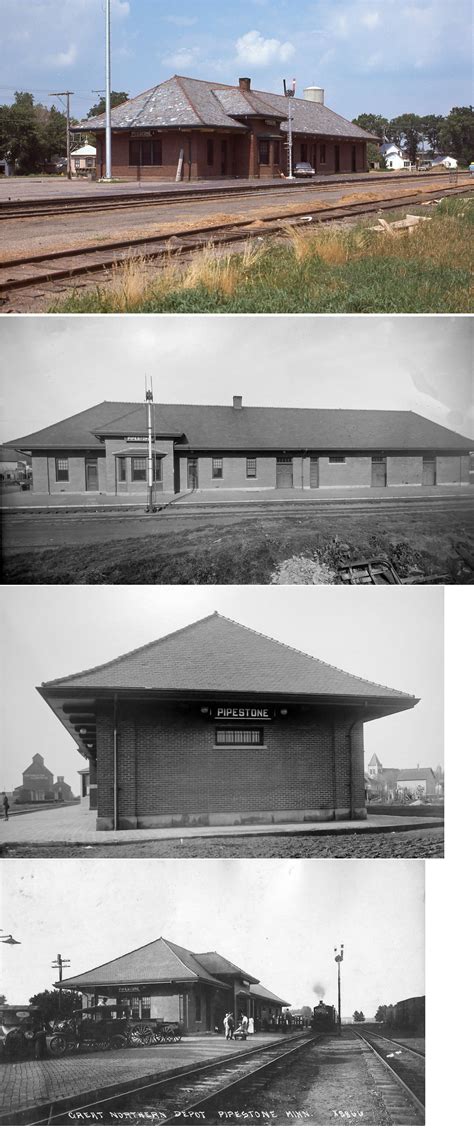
(120, 8)
(254, 50)
(182, 58)
(64, 58)
(370, 19)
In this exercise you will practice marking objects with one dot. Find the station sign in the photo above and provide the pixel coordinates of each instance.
(135, 438)
(241, 713)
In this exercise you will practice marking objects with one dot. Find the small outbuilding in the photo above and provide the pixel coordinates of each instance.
(217, 724)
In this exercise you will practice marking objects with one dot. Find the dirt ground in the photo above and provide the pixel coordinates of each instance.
(402, 844)
(226, 548)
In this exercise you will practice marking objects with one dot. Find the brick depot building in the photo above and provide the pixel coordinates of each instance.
(167, 983)
(224, 131)
(103, 450)
(216, 724)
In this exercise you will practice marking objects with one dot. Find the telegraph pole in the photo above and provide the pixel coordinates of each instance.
(150, 508)
(108, 121)
(339, 960)
(289, 94)
(66, 94)
(59, 962)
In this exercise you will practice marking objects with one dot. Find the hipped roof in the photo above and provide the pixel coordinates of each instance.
(218, 656)
(184, 103)
(218, 427)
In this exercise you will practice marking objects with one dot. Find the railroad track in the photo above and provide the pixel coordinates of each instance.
(56, 266)
(28, 209)
(188, 1090)
(402, 1075)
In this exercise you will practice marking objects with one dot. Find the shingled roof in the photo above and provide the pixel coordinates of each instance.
(218, 427)
(217, 655)
(184, 103)
(161, 961)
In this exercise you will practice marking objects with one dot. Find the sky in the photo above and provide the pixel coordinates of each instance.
(54, 367)
(378, 56)
(280, 920)
(392, 636)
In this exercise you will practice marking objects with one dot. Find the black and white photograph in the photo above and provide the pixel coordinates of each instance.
(157, 1009)
(242, 451)
(224, 722)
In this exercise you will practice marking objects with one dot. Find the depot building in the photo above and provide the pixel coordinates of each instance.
(103, 450)
(188, 129)
(216, 724)
(167, 983)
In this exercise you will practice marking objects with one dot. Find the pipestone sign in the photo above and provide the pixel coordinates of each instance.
(241, 713)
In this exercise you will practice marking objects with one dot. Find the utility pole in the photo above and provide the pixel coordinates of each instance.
(339, 960)
(150, 508)
(108, 121)
(66, 94)
(59, 962)
(289, 94)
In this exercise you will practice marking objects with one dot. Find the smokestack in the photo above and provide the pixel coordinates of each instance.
(244, 83)
(314, 94)
(237, 403)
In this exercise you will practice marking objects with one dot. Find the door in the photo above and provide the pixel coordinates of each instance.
(223, 158)
(429, 471)
(354, 159)
(208, 1010)
(92, 474)
(314, 473)
(337, 159)
(379, 471)
(193, 474)
(284, 473)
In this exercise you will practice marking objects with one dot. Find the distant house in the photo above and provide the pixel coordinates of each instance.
(14, 466)
(444, 162)
(83, 160)
(395, 158)
(39, 787)
(401, 783)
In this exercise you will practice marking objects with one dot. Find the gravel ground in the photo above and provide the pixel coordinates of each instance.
(401, 844)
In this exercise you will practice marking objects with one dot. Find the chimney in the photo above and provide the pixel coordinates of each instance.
(237, 403)
(244, 83)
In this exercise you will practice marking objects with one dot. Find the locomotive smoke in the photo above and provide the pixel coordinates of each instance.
(319, 990)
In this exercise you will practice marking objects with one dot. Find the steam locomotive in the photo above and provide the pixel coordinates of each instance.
(324, 1018)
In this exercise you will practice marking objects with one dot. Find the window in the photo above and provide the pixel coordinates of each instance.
(379, 458)
(138, 469)
(145, 153)
(210, 152)
(62, 469)
(135, 1002)
(239, 736)
(304, 151)
(198, 1006)
(122, 469)
(146, 1006)
(90, 162)
(251, 470)
(217, 468)
(264, 152)
(322, 154)
(77, 162)
(337, 458)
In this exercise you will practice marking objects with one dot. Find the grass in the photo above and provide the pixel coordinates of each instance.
(324, 269)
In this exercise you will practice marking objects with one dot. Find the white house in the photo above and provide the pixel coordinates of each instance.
(444, 162)
(394, 156)
(83, 160)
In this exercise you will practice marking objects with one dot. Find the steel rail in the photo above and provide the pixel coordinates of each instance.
(395, 1042)
(21, 209)
(415, 1100)
(196, 1071)
(187, 243)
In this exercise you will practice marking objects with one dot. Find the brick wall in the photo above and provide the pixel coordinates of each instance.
(352, 472)
(454, 468)
(169, 769)
(234, 473)
(402, 471)
(129, 487)
(44, 472)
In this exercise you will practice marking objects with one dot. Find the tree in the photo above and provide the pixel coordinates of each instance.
(48, 1001)
(408, 127)
(381, 1013)
(373, 123)
(3, 999)
(358, 1016)
(431, 126)
(116, 99)
(456, 137)
(22, 140)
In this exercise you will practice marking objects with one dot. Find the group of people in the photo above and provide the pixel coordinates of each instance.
(246, 1026)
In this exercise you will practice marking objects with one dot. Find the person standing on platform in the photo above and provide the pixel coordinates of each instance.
(6, 805)
(251, 1026)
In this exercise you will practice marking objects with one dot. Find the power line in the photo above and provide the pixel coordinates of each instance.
(66, 94)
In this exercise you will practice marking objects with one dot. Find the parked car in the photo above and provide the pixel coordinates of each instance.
(20, 1030)
(303, 168)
